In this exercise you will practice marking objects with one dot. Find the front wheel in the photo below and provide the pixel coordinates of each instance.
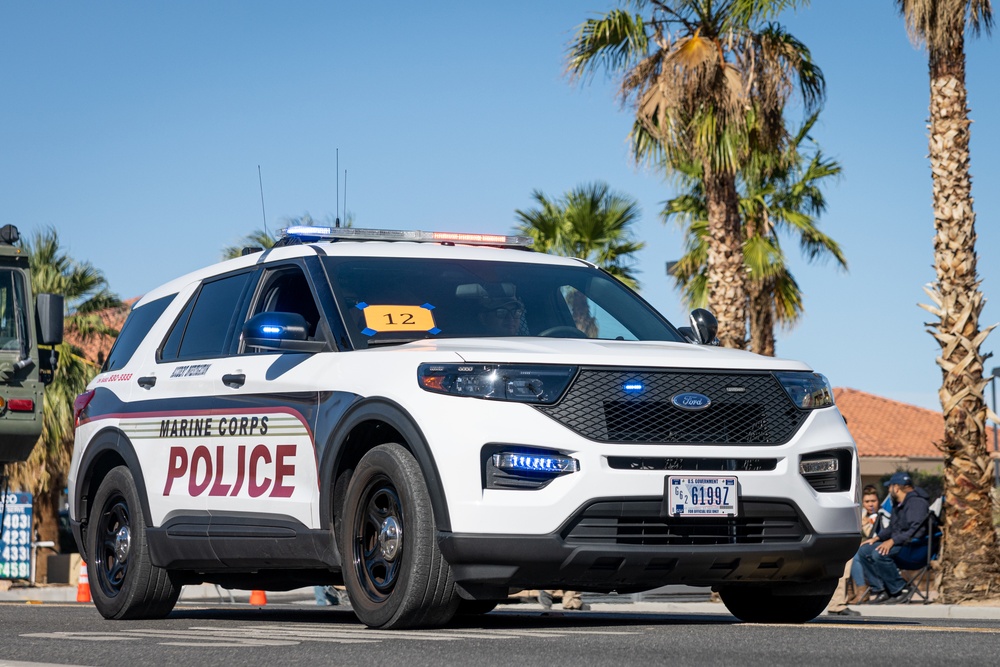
(394, 572)
(123, 580)
(788, 603)
(476, 607)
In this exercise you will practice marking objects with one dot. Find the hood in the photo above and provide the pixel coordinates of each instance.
(589, 352)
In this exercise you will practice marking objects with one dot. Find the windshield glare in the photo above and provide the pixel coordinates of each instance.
(387, 300)
(13, 332)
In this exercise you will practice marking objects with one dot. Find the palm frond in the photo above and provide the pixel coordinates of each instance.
(610, 43)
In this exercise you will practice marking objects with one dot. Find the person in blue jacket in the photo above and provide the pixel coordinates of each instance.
(908, 523)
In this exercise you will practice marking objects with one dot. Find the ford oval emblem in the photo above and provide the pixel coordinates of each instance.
(691, 400)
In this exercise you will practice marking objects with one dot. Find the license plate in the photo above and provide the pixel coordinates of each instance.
(692, 495)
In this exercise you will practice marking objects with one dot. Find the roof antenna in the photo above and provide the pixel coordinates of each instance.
(260, 181)
(337, 177)
(345, 196)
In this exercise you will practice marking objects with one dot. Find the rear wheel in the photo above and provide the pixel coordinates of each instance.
(123, 580)
(394, 573)
(777, 604)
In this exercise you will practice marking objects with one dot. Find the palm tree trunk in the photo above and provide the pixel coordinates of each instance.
(760, 298)
(970, 565)
(726, 277)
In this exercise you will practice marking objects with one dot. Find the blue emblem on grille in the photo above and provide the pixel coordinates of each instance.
(691, 400)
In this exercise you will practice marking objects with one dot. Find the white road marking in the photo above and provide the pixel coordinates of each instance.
(290, 635)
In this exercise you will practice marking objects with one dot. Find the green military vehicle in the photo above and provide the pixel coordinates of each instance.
(29, 332)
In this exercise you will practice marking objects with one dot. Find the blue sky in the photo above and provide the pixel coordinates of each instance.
(136, 131)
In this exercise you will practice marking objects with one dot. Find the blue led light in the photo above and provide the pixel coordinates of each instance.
(633, 387)
(306, 230)
(270, 329)
(545, 463)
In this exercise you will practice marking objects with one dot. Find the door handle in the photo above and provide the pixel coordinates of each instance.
(234, 380)
(147, 381)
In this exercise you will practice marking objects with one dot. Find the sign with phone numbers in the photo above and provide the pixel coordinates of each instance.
(15, 536)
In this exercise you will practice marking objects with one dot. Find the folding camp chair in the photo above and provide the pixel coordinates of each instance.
(917, 556)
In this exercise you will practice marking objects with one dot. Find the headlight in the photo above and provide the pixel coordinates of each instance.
(502, 382)
(807, 390)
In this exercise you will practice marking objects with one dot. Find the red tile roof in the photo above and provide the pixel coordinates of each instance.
(883, 427)
(96, 348)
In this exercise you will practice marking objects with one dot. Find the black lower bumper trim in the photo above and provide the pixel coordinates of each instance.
(547, 561)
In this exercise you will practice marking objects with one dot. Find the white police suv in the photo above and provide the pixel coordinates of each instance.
(433, 422)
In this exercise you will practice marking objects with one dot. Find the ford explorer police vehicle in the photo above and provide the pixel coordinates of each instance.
(434, 419)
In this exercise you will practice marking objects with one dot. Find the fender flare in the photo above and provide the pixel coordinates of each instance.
(107, 440)
(395, 416)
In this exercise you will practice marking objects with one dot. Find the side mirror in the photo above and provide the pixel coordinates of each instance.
(49, 312)
(705, 326)
(286, 332)
(689, 334)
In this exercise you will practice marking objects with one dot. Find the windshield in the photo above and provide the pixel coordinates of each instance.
(392, 300)
(13, 330)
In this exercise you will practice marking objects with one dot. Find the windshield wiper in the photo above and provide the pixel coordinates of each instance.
(382, 342)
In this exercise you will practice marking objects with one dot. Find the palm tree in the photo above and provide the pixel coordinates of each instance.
(779, 192)
(970, 562)
(261, 238)
(709, 80)
(258, 238)
(591, 222)
(86, 295)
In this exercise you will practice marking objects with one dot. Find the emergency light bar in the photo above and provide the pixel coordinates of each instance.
(357, 234)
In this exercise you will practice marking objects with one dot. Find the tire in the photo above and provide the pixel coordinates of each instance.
(776, 604)
(123, 580)
(394, 572)
(476, 607)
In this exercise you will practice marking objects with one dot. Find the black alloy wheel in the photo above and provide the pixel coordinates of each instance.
(379, 539)
(393, 570)
(124, 581)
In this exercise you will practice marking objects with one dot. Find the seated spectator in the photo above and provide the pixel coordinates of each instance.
(869, 522)
(908, 523)
(869, 515)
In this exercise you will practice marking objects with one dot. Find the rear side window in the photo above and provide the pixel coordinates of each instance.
(205, 332)
(136, 326)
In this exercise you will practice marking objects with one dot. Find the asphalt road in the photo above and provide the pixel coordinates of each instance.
(296, 634)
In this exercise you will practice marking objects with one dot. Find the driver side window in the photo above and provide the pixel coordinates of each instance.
(286, 290)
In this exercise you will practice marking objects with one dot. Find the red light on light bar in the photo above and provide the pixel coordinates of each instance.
(21, 405)
(459, 237)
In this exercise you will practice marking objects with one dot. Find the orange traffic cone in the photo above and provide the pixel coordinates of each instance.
(83, 585)
(258, 598)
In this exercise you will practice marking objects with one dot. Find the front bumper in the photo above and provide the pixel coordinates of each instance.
(623, 545)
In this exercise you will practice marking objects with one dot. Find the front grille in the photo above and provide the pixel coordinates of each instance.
(747, 408)
(639, 522)
(690, 464)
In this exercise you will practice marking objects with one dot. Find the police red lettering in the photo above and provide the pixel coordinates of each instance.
(176, 467)
(219, 489)
(263, 470)
(254, 488)
(201, 454)
(283, 469)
